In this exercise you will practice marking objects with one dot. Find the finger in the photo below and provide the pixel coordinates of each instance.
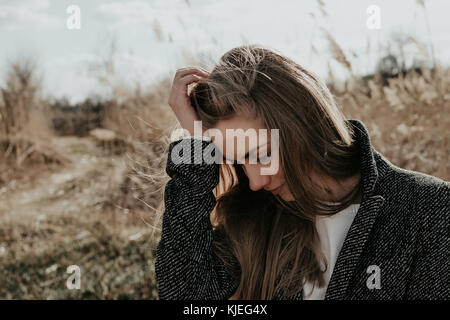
(191, 70)
(181, 86)
(191, 78)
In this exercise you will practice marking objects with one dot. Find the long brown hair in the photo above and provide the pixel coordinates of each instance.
(269, 244)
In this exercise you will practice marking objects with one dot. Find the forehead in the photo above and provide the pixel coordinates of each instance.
(250, 130)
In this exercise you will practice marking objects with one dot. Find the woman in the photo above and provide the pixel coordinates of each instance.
(336, 221)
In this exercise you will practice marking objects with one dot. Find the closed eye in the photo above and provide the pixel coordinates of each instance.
(264, 159)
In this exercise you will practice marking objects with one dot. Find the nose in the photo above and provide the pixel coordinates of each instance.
(256, 180)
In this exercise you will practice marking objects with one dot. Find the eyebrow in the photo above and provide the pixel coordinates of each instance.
(247, 155)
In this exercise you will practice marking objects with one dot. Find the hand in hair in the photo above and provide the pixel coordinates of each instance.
(179, 99)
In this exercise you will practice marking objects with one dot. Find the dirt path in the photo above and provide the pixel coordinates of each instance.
(67, 217)
(84, 181)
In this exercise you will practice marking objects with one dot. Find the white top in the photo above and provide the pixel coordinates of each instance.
(332, 231)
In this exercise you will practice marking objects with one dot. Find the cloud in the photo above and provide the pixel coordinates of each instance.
(27, 13)
(126, 14)
(75, 75)
(138, 15)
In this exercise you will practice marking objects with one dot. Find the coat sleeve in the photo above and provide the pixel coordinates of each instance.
(431, 267)
(185, 266)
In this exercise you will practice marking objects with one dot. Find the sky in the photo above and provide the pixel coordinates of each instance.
(150, 40)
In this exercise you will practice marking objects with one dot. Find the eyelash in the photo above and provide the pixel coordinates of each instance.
(258, 159)
(265, 157)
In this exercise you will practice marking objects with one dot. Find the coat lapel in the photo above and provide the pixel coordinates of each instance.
(362, 224)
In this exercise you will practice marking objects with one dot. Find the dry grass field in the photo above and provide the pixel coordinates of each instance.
(68, 197)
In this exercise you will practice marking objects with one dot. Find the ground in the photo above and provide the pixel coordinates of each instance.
(69, 215)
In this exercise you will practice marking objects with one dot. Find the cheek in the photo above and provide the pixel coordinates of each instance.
(279, 178)
(280, 174)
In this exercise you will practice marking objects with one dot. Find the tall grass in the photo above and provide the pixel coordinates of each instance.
(21, 109)
(24, 126)
(406, 107)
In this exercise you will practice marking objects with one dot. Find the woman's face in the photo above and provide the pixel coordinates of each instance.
(275, 182)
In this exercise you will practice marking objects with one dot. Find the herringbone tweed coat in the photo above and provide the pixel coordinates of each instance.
(402, 227)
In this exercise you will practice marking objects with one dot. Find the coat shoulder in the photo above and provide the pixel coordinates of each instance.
(418, 204)
(413, 184)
